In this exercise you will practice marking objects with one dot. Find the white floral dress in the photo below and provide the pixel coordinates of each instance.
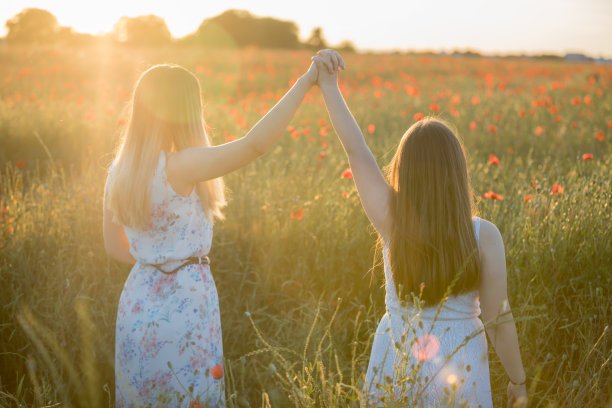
(168, 348)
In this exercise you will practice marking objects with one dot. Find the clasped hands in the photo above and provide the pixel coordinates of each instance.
(324, 68)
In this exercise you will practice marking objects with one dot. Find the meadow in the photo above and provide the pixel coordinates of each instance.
(295, 262)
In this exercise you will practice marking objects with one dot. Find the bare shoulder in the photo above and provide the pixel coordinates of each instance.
(489, 233)
(492, 253)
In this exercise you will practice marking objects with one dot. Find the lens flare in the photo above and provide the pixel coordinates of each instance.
(426, 347)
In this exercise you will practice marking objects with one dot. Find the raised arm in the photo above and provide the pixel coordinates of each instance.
(496, 313)
(374, 191)
(197, 164)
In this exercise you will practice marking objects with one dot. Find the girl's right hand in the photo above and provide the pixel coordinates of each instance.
(517, 395)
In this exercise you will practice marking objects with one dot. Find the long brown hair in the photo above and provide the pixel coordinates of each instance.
(432, 241)
(166, 113)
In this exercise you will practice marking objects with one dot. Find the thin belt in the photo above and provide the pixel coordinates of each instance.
(202, 260)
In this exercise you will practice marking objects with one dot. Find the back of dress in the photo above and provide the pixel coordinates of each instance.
(168, 329)
(435, 356)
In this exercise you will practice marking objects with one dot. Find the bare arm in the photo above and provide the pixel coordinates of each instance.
(496, 313)
(115, 241)
(374, 191)
(197, 164)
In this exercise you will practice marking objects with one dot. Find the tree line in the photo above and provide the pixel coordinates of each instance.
(230, 29)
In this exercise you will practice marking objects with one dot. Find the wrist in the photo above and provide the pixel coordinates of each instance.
(328, 86)
(523, 381)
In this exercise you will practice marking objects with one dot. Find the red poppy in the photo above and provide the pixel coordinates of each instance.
(587, 100)
(472, 125)
(297, 215)
(475, 100)
(610, 123)
(345, 194)
(20, 164)
(493, 196)
(324, 131)
(295, 134)
(557, 118)
(556, 189)
(587, 156)
(510, 150)
(600, 135)
(493, 159)
(371, 128)
(347, 173)
(539, 130)
(521, 113)
(528, 198)
(322, 122)
(576, 101)
(322, 154)
(217, 372)
(574, 125)
(418, 116)
(493, 129)
(434, 107)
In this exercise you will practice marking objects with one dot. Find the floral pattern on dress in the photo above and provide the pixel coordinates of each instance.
(168, 329)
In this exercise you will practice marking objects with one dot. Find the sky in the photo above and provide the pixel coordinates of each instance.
(489, 26)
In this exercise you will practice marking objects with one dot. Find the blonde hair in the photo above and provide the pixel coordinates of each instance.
(166, 114)
(432, 241)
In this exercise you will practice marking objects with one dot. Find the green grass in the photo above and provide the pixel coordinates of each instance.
(299, 344)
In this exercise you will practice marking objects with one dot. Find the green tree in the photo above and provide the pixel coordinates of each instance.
(316, 41)
(239, 28)
(32, 26)
(142, 30)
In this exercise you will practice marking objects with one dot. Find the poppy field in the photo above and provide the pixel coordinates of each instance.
(295, 263)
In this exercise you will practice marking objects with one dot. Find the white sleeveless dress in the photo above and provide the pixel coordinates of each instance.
(429, 361)
(169, 319)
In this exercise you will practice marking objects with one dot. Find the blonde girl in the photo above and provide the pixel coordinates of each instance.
(163, 190)
(431, 350)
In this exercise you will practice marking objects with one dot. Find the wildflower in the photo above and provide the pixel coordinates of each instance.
(217, 372)
(297, 214)
(434, 107)
(587, 156)
(475, 100)
(345, 194)
(556, 189)
(493, 196)
(418, 116)
(493, 160)
(527, 198)
(472, 125)
(539, 130)
(20, 164)
(347, 173)
(600, 135)
(493, 129)
(371, 128)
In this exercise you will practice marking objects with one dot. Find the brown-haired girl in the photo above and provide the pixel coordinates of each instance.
(430, 350)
